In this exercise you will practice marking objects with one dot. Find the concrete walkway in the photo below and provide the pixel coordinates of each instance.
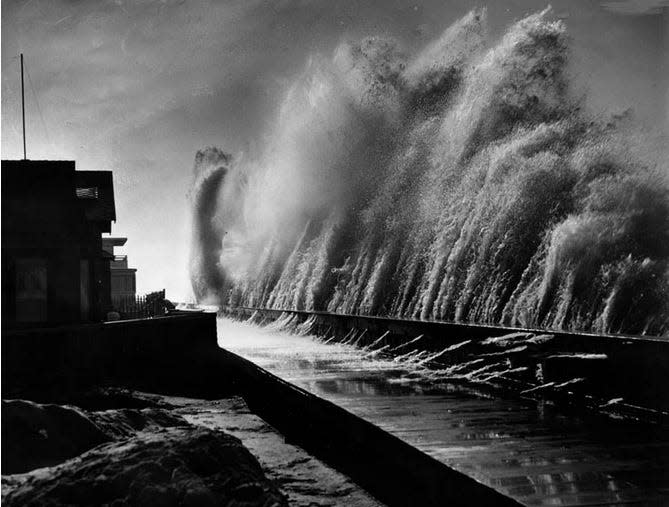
(304, 479)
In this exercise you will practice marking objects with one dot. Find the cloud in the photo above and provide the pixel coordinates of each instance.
(118, 64)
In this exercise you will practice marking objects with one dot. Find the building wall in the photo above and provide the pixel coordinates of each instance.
(123, 282)
(45, 238)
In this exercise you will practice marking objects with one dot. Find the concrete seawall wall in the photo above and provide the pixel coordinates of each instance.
(166, 353)
(446, 332)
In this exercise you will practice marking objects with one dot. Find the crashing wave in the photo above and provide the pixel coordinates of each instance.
(462, 183)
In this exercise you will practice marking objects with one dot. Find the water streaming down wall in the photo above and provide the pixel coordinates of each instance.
(462, 183)
(617, 375)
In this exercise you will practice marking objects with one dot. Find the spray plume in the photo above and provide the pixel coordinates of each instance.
(462, 183)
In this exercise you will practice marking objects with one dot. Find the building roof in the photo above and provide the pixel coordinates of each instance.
(108, 243)
(95, 189)
(114, 241)
(39, 206)
(56, 202)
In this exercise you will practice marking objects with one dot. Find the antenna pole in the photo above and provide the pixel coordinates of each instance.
(23, 110)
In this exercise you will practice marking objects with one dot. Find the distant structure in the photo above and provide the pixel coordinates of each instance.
(54, 269)
(123, 285)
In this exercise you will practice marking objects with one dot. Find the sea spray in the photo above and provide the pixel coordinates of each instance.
(464, 182)
(207, 276)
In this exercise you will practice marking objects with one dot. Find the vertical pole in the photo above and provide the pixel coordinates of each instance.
(23, 110)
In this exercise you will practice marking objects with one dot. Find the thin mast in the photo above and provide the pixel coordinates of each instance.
(23, 110)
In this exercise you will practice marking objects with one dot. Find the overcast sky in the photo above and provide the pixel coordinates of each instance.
(138, 86)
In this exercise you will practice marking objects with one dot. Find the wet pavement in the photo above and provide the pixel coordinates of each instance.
(305, 480)
(528, 450)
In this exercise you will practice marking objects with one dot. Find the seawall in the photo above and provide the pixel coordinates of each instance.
(179, 355)
(172, 353)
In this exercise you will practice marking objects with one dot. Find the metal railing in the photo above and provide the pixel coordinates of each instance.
(141, 307)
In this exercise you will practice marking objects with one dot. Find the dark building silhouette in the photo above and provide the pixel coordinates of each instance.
(54, 269)
(123, 284)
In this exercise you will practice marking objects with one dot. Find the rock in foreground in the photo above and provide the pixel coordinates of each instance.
(36, 435)
(44, 435)
(186, 466)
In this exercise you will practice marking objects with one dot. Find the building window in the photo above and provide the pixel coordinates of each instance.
(87, 193)
(31, 287)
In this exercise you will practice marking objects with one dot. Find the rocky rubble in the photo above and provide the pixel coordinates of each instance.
(184, 466)
(64, 455)
(36, 435)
